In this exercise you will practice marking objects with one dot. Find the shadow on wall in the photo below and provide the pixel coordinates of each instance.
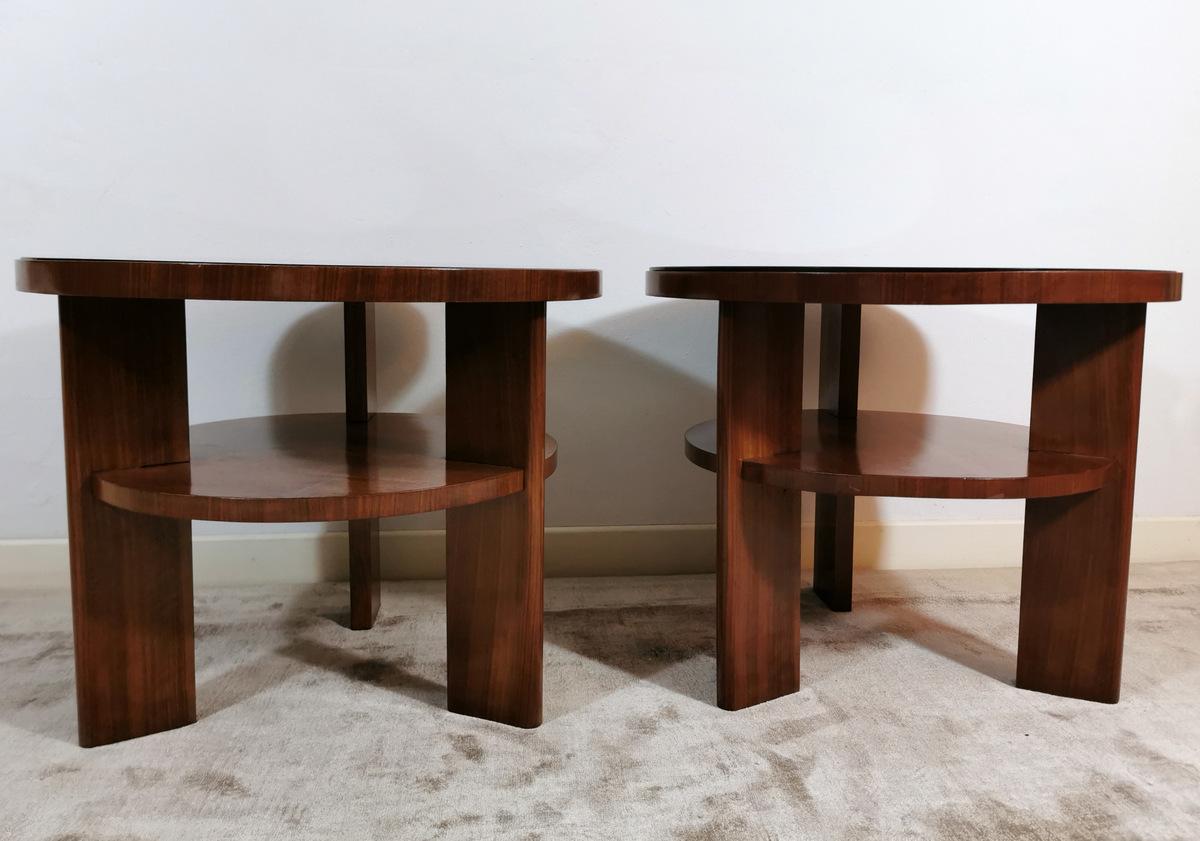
(893, 375)
(618, 411)
(621, 393)
(619, 396)
(307, 373)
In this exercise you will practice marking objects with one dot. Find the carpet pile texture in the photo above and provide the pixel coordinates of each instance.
(907, 725)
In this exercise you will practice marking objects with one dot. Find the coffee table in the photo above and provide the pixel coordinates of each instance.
(1074, 464)
(137, 475)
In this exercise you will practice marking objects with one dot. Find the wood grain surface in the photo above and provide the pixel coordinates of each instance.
(912, 455)
(1087, 375)
(833, 518)
(124, 378)
(759, 377)
(822, 285)
(305, 468)
(496, 413)
(282, 282)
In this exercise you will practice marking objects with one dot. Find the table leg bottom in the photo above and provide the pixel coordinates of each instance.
(364, 573)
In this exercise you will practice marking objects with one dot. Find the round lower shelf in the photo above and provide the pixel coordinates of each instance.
(311, 468)
(912, 455)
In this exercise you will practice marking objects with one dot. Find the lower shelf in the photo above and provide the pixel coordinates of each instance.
(311, 468)
(912, 455)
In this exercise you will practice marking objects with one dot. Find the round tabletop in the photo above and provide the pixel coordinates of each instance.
(824, 285)
(283, 282)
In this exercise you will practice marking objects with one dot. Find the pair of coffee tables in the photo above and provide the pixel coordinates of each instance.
(137, 475)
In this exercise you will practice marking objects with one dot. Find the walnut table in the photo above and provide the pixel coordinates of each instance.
(137, 476)
(1073, 465)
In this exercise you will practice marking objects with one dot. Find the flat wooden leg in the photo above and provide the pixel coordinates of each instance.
(759, 377)
(124, 376)
(363, 535)
(495, 414)
(1087, 375)
(833, 550)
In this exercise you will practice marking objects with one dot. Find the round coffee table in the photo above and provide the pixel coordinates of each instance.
(137, 476)
(1074, 464)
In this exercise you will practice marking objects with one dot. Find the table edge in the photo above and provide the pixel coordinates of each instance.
(866, 285)
(191, 280)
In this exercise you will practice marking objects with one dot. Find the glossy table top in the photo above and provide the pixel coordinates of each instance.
(286, 282)
(826, 285)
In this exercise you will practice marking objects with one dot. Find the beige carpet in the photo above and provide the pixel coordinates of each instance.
(907, 726)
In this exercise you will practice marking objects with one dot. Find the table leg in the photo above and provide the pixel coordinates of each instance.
(759, 377)
(495, 413)
(1087, 374)
(363, 535)
(124, 377)
(833, 549)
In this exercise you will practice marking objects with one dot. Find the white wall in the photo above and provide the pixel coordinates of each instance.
(613, 135)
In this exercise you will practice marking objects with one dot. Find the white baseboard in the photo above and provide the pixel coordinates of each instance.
(592, 550)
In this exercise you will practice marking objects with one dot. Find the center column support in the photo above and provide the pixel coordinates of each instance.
(496, 414)
(359, 327)
(833, 536)
(760, 350)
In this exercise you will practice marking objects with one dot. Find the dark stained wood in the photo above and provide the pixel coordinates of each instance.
(912, 455)
(759, 378)
(833, 551)
(700, 445)
(495, 413)
(841, 337)
(1087, 373)
(305, 468)
(359, 332)
(833, 533)
(362, 535)
(828, 285)
(124, 374)
(271, 282)
(134, 483)
(1074, 465)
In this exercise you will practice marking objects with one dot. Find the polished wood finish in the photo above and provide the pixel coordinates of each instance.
(823, 285)
(358, 320)
(495, 413)
(362, 535)
(1087, 373)
(833, 532)
(134, 483)
(759, 377)
(912, 455)
(363, 539)
(276, 282)
(124, 375)
(305, 468)
(1074, 464)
